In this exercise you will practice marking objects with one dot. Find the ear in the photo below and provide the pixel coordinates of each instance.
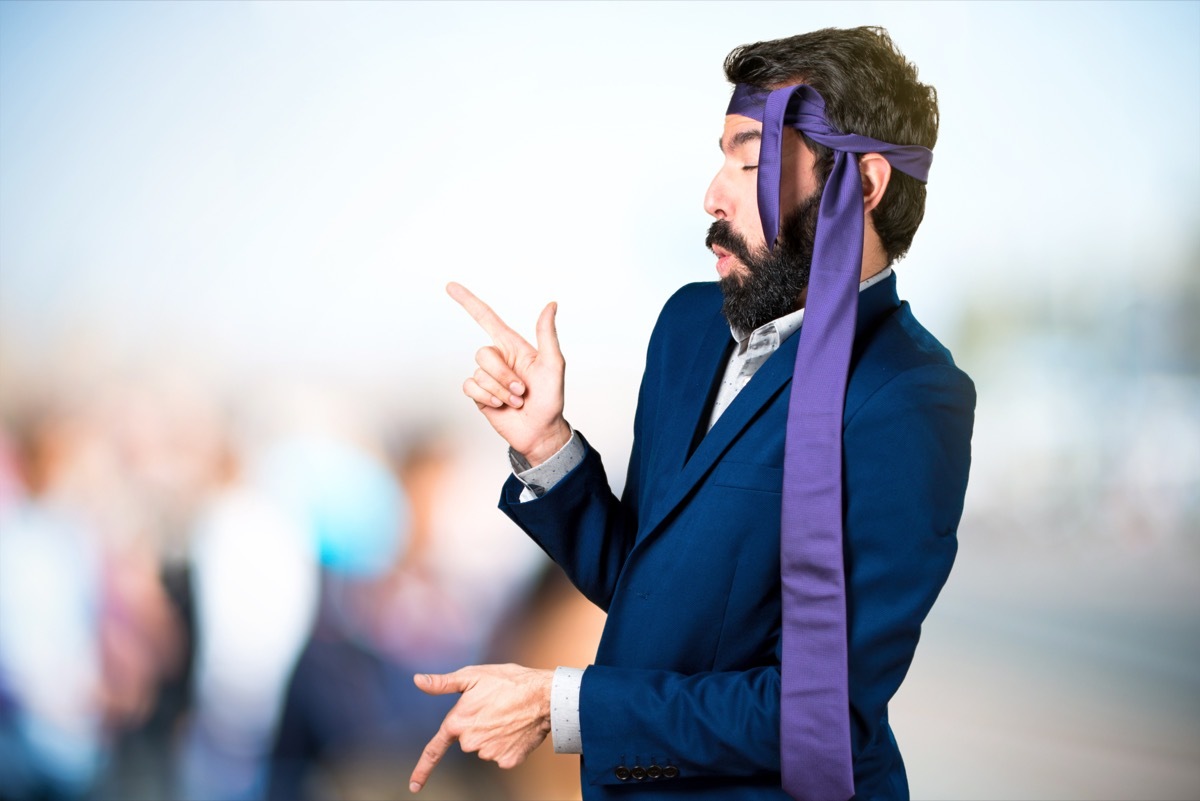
(876, 173)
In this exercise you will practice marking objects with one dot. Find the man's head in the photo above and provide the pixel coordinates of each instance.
(870, 89)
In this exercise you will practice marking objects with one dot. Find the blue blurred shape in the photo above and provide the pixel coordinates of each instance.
(346, 498)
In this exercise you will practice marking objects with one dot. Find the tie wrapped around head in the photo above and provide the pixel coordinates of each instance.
(802, 107)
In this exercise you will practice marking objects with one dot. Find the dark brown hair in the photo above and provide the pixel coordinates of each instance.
(871, 89)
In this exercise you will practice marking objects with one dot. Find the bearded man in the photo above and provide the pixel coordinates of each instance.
(794, 491)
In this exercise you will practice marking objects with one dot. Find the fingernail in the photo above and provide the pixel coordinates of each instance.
(515, 402)
(517, 387)
(414, 788)
(497, 402)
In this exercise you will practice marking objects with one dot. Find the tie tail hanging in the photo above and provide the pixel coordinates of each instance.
(815, 741)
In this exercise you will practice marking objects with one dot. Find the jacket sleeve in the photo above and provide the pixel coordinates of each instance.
(580, 524)
(705, 724)
(907, 452)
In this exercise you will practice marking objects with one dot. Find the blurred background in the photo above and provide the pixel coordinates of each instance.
(242, 499)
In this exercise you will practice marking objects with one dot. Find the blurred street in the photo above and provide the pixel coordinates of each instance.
(1075, 676)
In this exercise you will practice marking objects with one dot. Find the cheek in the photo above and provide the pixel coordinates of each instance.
(798, 188)
(798, 179)
(749, 222)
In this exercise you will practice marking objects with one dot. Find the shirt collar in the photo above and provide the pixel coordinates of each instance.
(778, 330)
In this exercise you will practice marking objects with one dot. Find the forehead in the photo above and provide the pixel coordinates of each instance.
(739, 131)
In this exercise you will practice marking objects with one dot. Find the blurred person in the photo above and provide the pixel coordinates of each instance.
(139, 634)
(12, 492)
(273, 522)
(170, 438)
(350, 714)
(355, 514)
(460, 576)
(792, 499)
(140, 483)
(373, 630)
(51, 720)
(143, 651)
(86, 633)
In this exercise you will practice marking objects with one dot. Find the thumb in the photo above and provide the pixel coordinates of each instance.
(438, 684)
(547, 332)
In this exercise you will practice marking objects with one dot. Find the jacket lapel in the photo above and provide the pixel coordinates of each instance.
(770, 379)
(695, 398)
(774, 375)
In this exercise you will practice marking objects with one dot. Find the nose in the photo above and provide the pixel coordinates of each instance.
(716, 199)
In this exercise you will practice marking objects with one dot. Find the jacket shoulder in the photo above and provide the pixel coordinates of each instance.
(687, 313)
(901, 346)
(700, 300)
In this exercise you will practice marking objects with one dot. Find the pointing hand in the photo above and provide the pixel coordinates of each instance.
(503, 714)
(517, 387)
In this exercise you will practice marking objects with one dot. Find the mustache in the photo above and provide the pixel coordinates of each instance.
(721, 233)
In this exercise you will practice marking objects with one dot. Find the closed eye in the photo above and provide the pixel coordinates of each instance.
(749, 167)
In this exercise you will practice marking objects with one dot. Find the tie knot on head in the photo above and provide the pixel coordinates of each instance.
(801, 107)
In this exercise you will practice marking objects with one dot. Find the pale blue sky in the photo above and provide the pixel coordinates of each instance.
(293, 183)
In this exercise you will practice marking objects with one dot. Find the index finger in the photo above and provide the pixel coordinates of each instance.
(480, 311)
(430, 757)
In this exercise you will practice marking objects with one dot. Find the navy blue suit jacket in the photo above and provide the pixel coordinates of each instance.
(686, 563)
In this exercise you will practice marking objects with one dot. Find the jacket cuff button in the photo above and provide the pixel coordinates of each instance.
(670, 772)
(622, 773)
(638, 773)
(654, 772)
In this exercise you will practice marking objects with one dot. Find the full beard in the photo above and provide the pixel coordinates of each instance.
(774, 280)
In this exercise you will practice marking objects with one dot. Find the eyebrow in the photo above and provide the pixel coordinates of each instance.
(740, 138)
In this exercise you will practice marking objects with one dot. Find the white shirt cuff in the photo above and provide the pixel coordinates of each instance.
(564, 711)
(541, 479)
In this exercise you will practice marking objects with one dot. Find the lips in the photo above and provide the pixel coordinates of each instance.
(727, 246)
(724, 260)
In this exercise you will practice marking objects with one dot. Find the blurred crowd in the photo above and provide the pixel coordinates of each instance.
(206, 597)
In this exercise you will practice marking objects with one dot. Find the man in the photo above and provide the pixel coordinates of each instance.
(712, 671)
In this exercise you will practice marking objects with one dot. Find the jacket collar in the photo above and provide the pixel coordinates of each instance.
(694, 452)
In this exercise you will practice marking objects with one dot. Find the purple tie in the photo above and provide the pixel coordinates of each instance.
(815, 703)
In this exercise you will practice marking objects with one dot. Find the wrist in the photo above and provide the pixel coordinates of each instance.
(545, 694)
(550, 444)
